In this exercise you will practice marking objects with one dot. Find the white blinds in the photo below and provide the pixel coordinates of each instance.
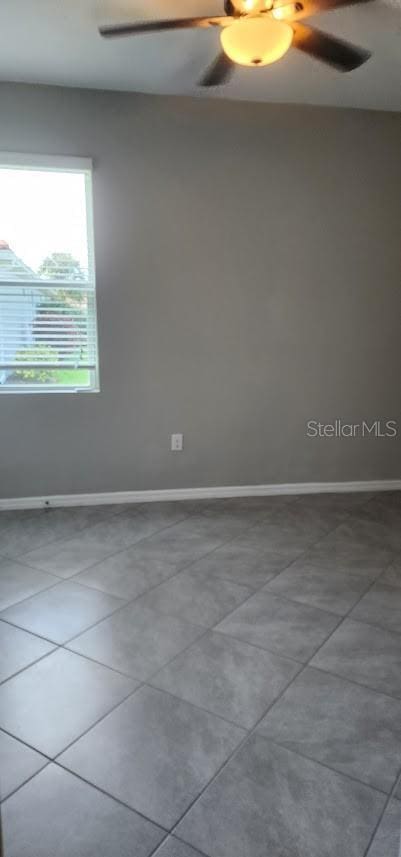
(47, 276)
(46, 324)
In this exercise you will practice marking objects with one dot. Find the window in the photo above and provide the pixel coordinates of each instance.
(48, 340)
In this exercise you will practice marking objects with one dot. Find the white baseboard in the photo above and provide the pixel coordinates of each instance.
(198, 493)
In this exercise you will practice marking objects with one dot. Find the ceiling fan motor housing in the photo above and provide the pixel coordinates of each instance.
(235, 8)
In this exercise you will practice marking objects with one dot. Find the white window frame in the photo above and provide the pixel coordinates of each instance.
(61, 163)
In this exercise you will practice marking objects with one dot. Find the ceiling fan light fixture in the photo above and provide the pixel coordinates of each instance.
(256, 41)
(285, 11)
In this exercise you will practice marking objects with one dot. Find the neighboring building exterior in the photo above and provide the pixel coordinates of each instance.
(11, 267)
(21, 311)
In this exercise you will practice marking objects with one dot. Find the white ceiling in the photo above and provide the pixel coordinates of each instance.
(56, 42)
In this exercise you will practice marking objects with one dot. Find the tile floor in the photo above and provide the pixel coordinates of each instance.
(219, 678)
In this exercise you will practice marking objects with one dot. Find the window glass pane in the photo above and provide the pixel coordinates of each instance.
(43, 221)
(72, 378)
(48, 324)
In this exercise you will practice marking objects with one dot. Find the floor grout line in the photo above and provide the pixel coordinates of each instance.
(132, 601)
(387, 802)
(20, 557)
(347, 614)
(51, 761)
(237, 749)
(141, 684)
(65, 644)
(207, 630)
(25, 783)
(309, 664)
(46, 511)
(112, 797)
(98, 720)
(72, 577)
(45, 589)
(26, 744)
(176, 574)
(67, 747)
(177, 839)
(181, 570)
(388, 695)
(194, 514)
(378, 627)
(196, 705)
(148, 683)
(136, 678)
(254, 729)
(253, 592)
(324, 765)
(36, 661)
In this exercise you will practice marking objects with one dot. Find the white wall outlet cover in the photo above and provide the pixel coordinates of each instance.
(177, 442)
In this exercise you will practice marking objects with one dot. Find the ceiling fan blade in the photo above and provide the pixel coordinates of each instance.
(219, 71)
(335, 52)
(307, 8)
(112, 30)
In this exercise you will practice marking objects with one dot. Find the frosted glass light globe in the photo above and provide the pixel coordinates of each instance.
(256, 41)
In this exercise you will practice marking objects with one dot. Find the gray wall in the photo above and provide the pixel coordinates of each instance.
(248, 267)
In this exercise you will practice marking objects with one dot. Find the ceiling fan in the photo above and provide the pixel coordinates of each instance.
(259, 32)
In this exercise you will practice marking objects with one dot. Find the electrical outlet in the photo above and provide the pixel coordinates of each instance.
(177, 442)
